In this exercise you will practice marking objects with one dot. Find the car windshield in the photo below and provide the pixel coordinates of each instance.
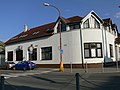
(11, 63)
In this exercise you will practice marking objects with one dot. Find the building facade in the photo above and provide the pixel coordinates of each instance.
(87, 39)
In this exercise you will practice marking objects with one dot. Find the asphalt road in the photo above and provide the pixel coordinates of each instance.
(65, 81)
(48, 81)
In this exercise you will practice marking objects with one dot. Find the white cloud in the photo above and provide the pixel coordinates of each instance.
(117, 15)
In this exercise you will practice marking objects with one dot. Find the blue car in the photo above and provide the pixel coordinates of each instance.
(24, 65)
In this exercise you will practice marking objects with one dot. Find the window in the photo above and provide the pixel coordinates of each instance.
(61, 26)
(10, 56)
(86, 24)
(71, 27)
(46, 53)
(96, 24)
(74, 26)
(77, 26)
(22, 36)
(111, 50)
(93, 50)
(19, 55)
(105, 27)
(33, 56)
(87, 50)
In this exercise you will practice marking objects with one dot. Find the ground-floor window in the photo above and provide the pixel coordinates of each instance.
(19, 55)
(46, 53)
(10, 56)
(93, 50)
(33, 55)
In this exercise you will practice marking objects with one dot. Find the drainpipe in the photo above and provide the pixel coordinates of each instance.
(105, 54)
(81, 43)
(103, 45)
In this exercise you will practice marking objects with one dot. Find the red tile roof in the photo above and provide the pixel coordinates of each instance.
(107, 21)
(73, 19)
(47, 30)
(40, 31)
(36, 32)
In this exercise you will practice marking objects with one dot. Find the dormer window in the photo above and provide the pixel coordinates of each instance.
(86, 24)
(77, 26)
(74, 26)
(71, 27)
(61, 26)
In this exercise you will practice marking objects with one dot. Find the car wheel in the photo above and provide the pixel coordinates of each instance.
(6, 67)
(14, 68)
(24, 68)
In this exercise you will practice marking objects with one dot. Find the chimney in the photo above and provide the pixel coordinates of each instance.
(25, 28)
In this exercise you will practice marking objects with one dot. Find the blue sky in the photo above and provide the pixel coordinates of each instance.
(15, 13)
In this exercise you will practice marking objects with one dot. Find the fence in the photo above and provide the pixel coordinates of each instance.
(76, 80)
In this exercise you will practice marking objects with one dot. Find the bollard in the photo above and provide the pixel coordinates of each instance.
(117, 66)
(71, 67)
(103, 67)
(86, 67)
(77, 81)
(61, 67)
(2, 83)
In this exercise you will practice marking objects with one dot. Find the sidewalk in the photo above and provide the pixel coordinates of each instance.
(93, 70)
(75, 70)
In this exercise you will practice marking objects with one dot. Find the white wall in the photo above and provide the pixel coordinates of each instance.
(110, 40)
(70, 46)
(89, 36)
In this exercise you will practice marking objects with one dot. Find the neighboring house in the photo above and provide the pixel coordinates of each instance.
(2, 53)
(84, 39)
(117, 42)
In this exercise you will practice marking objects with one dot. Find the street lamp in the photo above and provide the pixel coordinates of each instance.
(59, 24)
(47, 4)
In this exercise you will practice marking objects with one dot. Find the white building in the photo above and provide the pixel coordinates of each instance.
(84, 39)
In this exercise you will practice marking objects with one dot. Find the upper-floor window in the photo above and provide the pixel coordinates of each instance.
(77, 26)
(61, 26)
(74, 26)
(96, 24)
(105, 27)
(86, 24)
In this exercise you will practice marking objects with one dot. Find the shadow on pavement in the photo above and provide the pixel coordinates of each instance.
(101, 82)
(9, 87)
(112, 84)
(45, 79)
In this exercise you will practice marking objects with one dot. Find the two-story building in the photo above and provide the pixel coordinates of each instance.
(87, 39)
